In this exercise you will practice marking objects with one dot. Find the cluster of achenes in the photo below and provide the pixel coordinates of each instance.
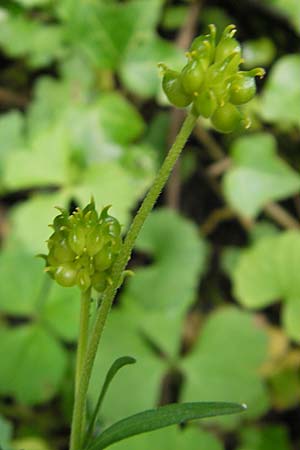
(211, 81)
(83, 248)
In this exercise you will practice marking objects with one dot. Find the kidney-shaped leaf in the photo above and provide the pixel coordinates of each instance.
(268, 272)
(224, 365)
(288, 8)
(105, 31)
(110, 184)
(265, 438)
(258, 175)
(39, 43)
(32, 364)
(254, 283)
(21, 279)
(280, 102)
(43, 163)
(120, 121)
(11, 138)
(30, 219)
(179, 261)
(139, 70)
(61, 310)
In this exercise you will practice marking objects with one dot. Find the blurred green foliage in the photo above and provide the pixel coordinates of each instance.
(212, 317)
(255, 163)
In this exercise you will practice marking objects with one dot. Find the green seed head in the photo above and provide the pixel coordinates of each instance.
(211, 81)
(83, 247)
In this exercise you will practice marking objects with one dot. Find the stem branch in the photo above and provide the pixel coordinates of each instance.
(118, 269)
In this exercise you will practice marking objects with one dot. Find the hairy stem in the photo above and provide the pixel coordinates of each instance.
(119, 266)
(82, 343)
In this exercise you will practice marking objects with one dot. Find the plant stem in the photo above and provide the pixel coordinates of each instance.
(82, 340)
(83, 334)
(118, 269)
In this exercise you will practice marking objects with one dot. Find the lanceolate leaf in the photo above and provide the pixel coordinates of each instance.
(128, 391)
(164, 416)
(113, 370)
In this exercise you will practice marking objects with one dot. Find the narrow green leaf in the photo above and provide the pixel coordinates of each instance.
(115, 367)
(161, 417)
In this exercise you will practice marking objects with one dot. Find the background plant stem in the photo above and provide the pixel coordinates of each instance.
(183, 41)
(119, 266)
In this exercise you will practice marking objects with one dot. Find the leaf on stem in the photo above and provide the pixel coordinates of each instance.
(161, 417)
(115, 367)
